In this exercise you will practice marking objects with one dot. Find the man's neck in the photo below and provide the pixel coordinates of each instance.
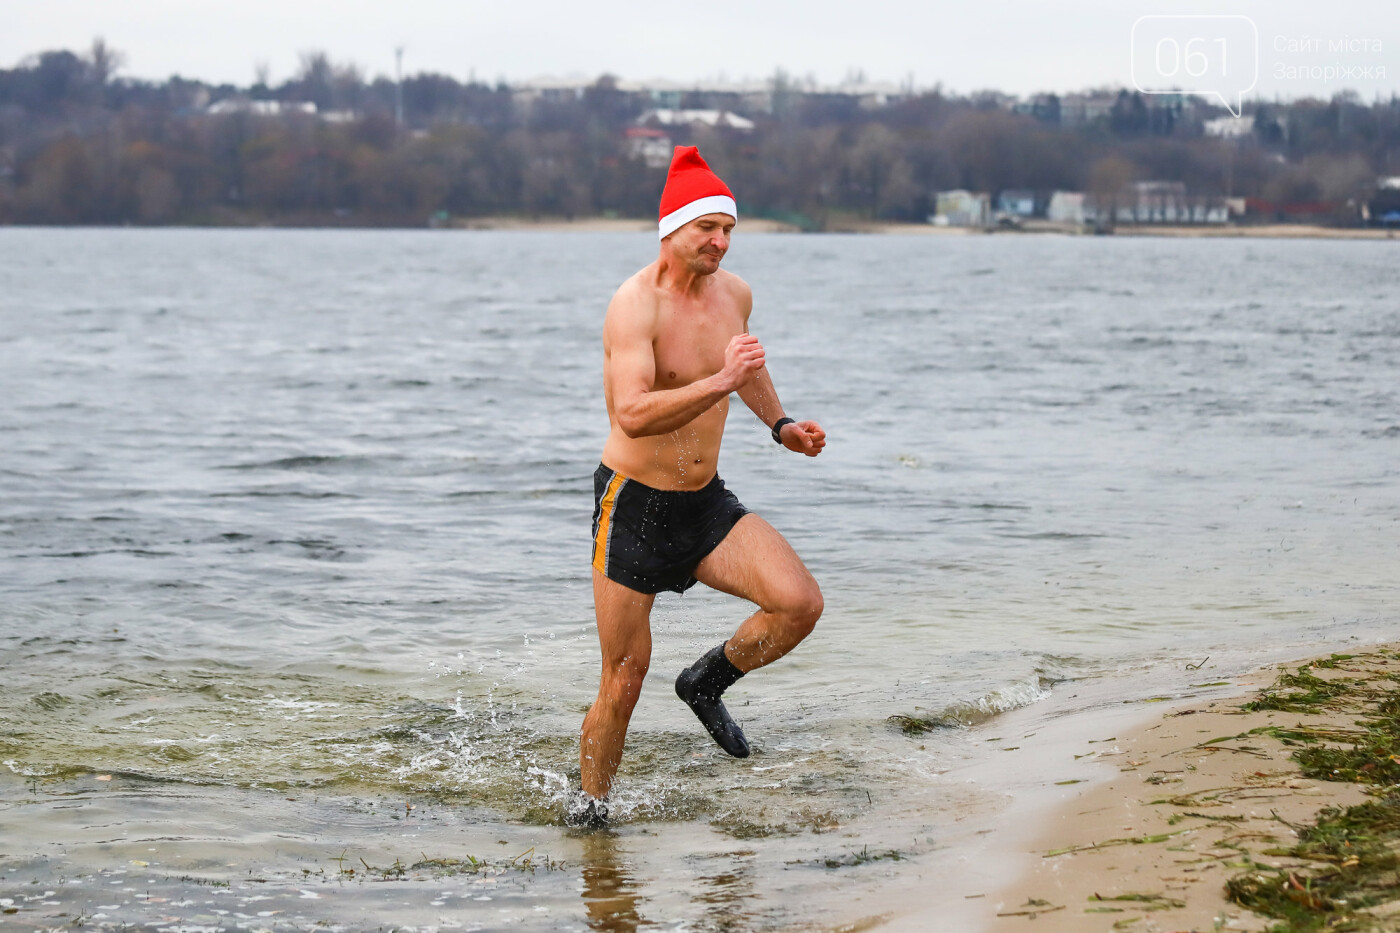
(674, 275)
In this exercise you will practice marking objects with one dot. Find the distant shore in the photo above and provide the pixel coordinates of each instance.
(763, 225)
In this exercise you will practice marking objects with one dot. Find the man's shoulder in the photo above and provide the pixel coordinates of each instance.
(637, 288)
(634, 302)
(732, 283)
(637, 285)
(736, 289)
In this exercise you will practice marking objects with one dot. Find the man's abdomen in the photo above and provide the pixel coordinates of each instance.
(686, 458)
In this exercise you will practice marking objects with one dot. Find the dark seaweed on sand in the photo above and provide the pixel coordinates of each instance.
(1353, 853)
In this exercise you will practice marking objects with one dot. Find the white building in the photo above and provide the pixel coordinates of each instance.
(1229, 127)
(1079, 109)
(959, 208)
(1068, 207)
(663, 116)
(261, 108)
(1166, 202)
(652, 146)
(1144, 202)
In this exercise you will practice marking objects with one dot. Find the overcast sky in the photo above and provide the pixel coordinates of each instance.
(1305, 47)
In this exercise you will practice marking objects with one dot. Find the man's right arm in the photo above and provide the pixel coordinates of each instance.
(643, 410)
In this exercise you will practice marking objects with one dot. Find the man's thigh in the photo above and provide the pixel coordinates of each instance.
(624, 621)
(756, 563)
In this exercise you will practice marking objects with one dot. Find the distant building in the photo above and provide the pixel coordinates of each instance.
(1145, 202)
(261, 108)
(1228, 127)
(1166, 202)
(1154, 202)
(651, 145)
(1384, 204)
(959, 208)
(1294, 211)
(550, 89)
(1081, 109)
(1018, 202)
(1067, 207)
(1044, 107)
(734, 97)
(871, 95)
(668, 98)
(668, 117)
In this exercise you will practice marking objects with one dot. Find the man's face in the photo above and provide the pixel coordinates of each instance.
(702, 243)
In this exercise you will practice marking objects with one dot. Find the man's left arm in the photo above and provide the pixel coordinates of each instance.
(804, 437)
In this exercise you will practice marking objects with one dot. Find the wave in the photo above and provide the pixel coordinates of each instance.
(314, 462)
(963, 713)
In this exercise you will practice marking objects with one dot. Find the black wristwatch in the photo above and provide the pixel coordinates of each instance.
(778, 429)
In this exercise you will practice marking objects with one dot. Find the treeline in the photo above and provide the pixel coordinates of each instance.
(81, 145)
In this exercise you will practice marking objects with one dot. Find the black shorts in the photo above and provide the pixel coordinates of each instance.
(651, 540)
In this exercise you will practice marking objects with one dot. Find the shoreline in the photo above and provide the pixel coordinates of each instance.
(1270, 231)
(1113, 808)
(1133, 824)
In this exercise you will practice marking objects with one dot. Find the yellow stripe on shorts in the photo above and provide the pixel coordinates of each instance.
(605, 508)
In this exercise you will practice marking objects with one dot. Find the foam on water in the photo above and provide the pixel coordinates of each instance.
(983, 708)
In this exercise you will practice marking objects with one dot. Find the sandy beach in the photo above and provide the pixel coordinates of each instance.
(1147, 837)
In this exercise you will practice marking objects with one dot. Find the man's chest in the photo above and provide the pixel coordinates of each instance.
(689, 347)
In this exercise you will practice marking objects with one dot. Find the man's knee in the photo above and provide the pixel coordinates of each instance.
(622, 680)
(809, 608)
(801, 606)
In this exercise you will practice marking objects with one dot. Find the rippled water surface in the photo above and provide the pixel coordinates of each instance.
(294, 528)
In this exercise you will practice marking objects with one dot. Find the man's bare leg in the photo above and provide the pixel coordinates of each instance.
(624, 633)
(757, 564)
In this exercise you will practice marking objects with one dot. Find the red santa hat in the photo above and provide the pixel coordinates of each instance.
(692, 191)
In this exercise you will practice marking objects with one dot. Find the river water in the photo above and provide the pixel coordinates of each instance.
(295, 616)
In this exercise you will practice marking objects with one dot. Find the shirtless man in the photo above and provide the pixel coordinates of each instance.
(676, 343)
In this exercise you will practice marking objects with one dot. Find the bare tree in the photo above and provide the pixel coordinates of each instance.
(105, 60)
(1108, 183)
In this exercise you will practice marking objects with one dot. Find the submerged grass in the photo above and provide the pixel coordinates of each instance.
(426, 867)
(1352, 882)
(918, 725)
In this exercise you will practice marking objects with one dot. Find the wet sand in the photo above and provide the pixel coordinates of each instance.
(1154, 819)
(1262, 231)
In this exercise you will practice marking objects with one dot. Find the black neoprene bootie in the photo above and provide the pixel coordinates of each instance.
(584, 811)
(701, 685)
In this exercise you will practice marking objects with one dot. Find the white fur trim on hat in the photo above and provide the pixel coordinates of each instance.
(715, 204)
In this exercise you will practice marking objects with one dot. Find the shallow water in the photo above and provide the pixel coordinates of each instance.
(295, 534)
